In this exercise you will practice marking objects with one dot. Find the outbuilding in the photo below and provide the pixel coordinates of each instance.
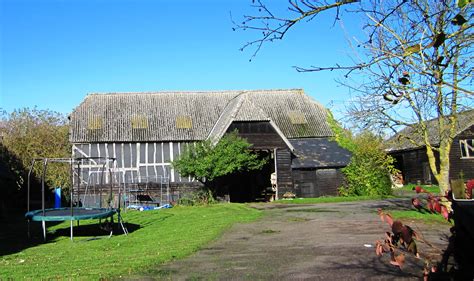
(410, 153)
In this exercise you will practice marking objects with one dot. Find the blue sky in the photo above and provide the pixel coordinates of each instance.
(54, 52)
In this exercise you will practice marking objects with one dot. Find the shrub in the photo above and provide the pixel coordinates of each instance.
(206, 162)
(201, 197)
(369, 171)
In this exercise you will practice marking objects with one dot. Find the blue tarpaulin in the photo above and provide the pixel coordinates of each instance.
(57, 197)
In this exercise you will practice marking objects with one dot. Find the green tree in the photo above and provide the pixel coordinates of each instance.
(206, 162)
(370, 168)
(32, 133)
(414, 65)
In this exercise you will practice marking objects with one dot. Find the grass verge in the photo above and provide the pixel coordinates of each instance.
(414, 215)
(330, 199)
(430, 188)
(158, 237)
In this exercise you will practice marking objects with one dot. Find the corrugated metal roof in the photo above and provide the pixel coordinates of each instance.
(398, 142)
(319, 153)
(209, 112)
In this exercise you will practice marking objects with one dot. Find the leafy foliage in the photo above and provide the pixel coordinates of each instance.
(341, 135)
(200, 197)
(401, 238)
(369, 171)
(206, 162)
(32, 133)
(433, 203)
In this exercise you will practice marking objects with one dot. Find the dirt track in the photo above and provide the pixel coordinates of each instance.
(303, 242)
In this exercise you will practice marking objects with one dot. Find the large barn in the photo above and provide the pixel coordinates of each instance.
(411, 158)
(145, 132)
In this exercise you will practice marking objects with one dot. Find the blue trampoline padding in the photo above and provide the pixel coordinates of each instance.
(64, 214)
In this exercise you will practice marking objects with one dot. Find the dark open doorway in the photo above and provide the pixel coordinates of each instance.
(249, 186)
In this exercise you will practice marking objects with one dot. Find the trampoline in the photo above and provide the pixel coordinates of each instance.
(65, 214)
(73, 213)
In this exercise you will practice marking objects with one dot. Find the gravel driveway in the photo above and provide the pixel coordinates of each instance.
(332, 241)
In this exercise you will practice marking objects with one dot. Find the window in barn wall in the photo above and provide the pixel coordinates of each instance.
(127, 155)
(143, 150)
(119, 154)
(184, 122)
(139, 121)
(133, 149)
(297, 117)
(110, 151)
(166, 152)
(467, 148)
(159, 153)
(101, 150)
(150, 153)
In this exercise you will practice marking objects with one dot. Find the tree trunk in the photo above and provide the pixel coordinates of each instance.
(441, 174)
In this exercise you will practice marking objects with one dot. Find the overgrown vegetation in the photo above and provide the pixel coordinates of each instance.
(203, 196)
(206, 162)
(369, 171)
(161, 236)
(28, 134)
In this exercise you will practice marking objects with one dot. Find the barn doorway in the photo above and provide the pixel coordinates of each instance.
(249, 186)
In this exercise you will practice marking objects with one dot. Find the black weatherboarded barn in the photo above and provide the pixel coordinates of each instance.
(411, 158)
(147, 131)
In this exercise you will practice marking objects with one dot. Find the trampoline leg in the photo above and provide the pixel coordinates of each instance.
(120, 221)
(43, 223)
(111, 226)
(71, 230)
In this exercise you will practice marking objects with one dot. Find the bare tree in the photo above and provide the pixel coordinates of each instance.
(415, 65)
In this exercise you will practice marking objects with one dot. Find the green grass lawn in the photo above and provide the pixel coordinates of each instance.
(430, 188)
(162, 236)
(329, 199)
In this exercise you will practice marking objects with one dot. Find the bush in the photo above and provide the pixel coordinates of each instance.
(201, 197)
(206, 162)
(369, 171)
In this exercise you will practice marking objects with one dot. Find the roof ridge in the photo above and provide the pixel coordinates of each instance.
(267, 91)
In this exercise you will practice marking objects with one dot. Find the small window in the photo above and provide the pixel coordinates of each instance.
(139, 121)
(467, 148)
(184, 122)
(297, 117)
(94, 122)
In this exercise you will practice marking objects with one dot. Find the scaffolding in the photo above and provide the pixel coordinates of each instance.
(146, 191)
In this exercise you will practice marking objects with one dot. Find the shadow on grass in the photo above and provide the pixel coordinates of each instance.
(92, 229)
(14, 232)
